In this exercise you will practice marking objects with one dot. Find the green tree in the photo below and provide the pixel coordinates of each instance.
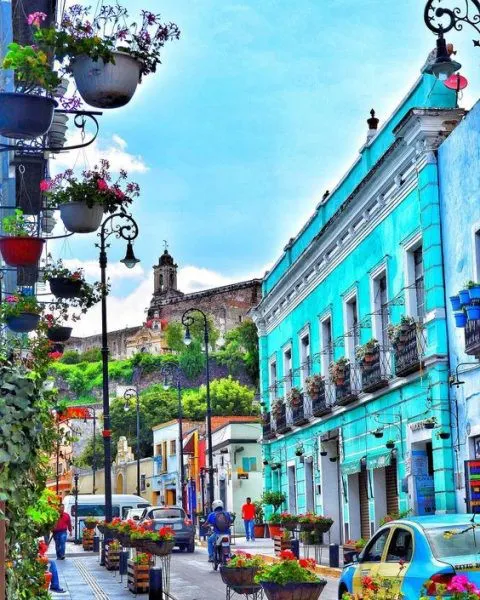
(175, 332)
(85, 459)
(242, 342)
(70, 357)
(91, 355)
(192, 360)
(228, 397)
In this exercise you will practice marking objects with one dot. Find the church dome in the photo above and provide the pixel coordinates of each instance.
(166, 259)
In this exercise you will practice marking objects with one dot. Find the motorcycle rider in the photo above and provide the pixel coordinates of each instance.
(220, 520)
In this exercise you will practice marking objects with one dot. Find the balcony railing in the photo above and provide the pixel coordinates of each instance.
(407, 356)
(347, 392)
(472, 338)
(300, 411)
(375, 370)
(320, 405)
(268, 431)
(282, 424)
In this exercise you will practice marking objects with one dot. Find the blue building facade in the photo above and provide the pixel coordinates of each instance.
(353, 335)
(459, 163)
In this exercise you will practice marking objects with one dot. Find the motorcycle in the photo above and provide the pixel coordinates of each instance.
(222, 550)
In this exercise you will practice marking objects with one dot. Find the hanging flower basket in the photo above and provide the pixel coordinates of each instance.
(293, 590)
(64, 287)
(79, 218)
(107, 85)
(241, 579)
(21, 251)
(59, 334)
(23, 116)
(323, 525)
(159, 548)
(23, 323)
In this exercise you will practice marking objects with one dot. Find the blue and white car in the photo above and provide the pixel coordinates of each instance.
(416, 548)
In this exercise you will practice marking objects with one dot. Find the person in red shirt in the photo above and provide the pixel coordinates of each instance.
(63, 525)
(248, 516)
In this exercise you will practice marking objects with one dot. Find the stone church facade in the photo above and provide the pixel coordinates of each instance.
(229, 305)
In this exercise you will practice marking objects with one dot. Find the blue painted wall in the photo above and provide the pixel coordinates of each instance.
(459, 165)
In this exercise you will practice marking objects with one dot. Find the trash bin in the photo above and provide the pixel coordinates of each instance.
(295, 545)
(155, 591)
(334, 555)
(123, 567)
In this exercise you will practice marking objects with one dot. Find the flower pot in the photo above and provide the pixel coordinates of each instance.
(290, 525)
(455, 302)
(464, 296)
(390, 445)
(64, 287)
(323, 527)
(240, 579)
(58, 131)
(259, 531)
(473, 313)
(460, 319)
(23, 323)
(90, 525)
(368, 358)
(474, 292)
(59, 334)
(275, 530)
(378, 434)
(306, 526)
(159, 548)
(292, 590)
(23, 116)
(106, 85)
(79, 218)
(21, 251)
(339, 380)
(48, 580)
(48, 221)
(428, 425)
(444, 435)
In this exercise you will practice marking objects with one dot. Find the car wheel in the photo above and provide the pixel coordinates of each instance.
(342, 590)
(190, 547)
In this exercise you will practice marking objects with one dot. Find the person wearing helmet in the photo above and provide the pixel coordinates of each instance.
(220, 520)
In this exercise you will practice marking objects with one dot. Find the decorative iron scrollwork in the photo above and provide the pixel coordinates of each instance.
(440, 20)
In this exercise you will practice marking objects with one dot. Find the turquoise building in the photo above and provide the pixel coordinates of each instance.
(353, 335)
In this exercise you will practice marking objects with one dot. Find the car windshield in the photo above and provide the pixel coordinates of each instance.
(167, 513)
(94, 510)
(464, 541)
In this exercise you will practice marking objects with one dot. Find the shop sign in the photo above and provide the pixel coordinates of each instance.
(472, 485)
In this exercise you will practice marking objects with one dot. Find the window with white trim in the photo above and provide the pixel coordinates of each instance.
(272, 380)
(352, 339)
(287, 370)
(415, 289)
(327, 345)
(304, 357)
(380, 309)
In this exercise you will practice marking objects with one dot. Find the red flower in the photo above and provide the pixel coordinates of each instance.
(287, 555)
(369, 584)
(102, 185)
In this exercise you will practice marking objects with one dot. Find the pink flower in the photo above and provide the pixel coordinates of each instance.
(118, 193)
(11, 299)
(36, 18)
(102, 185)
(45, 185)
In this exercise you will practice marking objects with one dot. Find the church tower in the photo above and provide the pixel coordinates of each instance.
(165, 276)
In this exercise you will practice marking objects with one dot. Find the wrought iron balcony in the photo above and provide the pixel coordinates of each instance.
(407, 352)
(374, 370)
(268, 432)
(320, 405)
(472, 338)
(347, 391)
(282, 424)
(299, 412)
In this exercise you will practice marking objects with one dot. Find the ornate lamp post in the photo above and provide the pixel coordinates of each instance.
(128, 395)
(188, 319)
(122, 226)
(171, 375)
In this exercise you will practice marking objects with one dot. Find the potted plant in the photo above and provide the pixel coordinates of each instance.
(390, 444)
(322, 524)
(90, 522)
(239, 572)
(443, 435)
(398, 334)
(299, 450)
(464, 295)
(314, 384)
(20, 313)
(259, 525)
(275, 499)
(378, 433)
(455, 302)
(388, 518)
(107, 56)
(278, 407)
(82, 203)
(290, 579)
(366, 352)
(473, 290)
(430, 423)
(27, 112)
(333, 458)
(294, 397)
(459, 587)
(473, 312)
(460, 319)
(20, 248)
(56, 332)
(288, 521)
(275, 525)
(337, 370)
(70, 285)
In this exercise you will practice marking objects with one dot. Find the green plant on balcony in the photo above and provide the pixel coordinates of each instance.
(295, 396)
(314, 385)
(337, 370)
(366, 352)
(278, 407)
(398, 334)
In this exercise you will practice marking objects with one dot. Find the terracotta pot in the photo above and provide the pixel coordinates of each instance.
(275, 530)
(21, 251)
(368, 358)
(259, 531)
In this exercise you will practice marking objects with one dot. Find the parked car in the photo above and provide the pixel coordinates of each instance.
(93, 505)
(176, 518)
(413, 550)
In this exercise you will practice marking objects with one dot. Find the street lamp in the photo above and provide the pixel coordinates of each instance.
(188, 319)
(122, 225)
(128, 395)
(171, 375)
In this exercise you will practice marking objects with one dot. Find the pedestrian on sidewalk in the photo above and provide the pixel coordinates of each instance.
(63, 525)
(55, 584)
(248, 516)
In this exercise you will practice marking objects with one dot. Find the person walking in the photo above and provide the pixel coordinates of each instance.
(63, 525)
(248, 516)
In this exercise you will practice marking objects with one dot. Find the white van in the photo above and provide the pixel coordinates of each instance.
(93, 505)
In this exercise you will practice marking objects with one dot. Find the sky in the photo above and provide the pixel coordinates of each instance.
(258, 109)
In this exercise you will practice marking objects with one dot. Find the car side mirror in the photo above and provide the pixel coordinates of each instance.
(355, 556)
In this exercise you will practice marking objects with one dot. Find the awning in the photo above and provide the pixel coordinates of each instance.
(350, 467)
(189, 443)
(379, 459)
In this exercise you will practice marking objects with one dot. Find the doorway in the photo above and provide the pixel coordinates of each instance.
(330, 489)
(120, 483)
(292, 490)
(309, 485)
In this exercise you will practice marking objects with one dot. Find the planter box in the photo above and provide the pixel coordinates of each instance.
(112, 559)
(138, 577)
(279, 545)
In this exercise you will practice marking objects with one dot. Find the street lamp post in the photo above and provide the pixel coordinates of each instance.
(122, 226)
(188, 319)
(171, 372)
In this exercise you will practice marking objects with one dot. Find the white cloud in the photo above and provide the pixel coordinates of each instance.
(116, 271)
(193, 279)
(114, 150)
